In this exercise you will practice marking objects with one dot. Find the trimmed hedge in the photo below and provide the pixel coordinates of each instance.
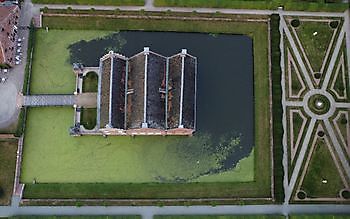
(277, 108)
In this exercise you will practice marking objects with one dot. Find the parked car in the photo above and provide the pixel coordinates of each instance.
(5, 70)
(19, 40)
(19, 44)
(19, 50)
(17, 62)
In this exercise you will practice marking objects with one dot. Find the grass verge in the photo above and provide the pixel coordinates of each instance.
(295, 5)
(8, 149)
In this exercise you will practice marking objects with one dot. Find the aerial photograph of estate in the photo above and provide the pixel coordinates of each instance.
(175, 109)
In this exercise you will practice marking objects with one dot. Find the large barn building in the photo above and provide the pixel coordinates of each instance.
(147, 94)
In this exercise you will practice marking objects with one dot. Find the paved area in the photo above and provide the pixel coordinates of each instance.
(87, 100)
(149, 211)
(8, 93)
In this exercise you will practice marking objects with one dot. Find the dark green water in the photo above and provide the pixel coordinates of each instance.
(225, 101)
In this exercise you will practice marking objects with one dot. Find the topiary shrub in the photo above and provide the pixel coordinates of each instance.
(1, 192)
(345, 194)
(343, 121)
(333, 24)
(301, 195)
(320, 133)
(295, 23)
(317, 75)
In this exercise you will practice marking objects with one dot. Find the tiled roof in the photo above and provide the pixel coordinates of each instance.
(148, 90)
(8, 33)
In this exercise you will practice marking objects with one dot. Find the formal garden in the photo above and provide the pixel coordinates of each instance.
(316, 94)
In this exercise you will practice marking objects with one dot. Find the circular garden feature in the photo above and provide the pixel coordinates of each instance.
(345, 194)
(301, 194)
(334, 24)
(295, 23)
(319, 104)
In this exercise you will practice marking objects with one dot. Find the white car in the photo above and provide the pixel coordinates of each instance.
(19, 40)
(19, 50)
(17, 62)
(19, 44)
(18, 58)
(5, 70)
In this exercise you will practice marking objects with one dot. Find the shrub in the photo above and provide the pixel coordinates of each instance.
(301, 195)
(1, 192)
(333, 24)
(343, 121)
(317, 75)
(320, 133)
(345, 194)
(295, 23)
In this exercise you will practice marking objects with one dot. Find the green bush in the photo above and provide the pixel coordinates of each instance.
(277, 108)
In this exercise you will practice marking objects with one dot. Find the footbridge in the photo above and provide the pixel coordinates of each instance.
(87, 100)
(49, 100)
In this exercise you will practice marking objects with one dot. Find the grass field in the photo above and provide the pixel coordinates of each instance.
(139, 160)
(298, 5)
(8, 150)
(92, 2)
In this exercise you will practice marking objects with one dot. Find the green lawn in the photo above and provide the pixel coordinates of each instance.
(322, 167)
(52, 72)
(92, 159)
(299, 5)
(315, 46)
(92, 2)
(8, 149)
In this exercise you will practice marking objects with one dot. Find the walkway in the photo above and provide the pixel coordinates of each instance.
(149, 7)
(49, 100)
(149, 211)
